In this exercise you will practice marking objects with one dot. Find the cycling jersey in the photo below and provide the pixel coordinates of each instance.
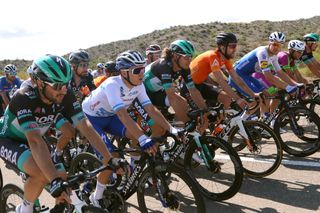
(111, 96)
(102, 104)
(159, 75)
(307, 57)
(287, 64)
(98, 80)
(206, 63)
(26, 83)
(6, 86)
(258, 60)
(86, 83)
(33, 114)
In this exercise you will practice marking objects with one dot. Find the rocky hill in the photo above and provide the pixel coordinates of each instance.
(250, 35)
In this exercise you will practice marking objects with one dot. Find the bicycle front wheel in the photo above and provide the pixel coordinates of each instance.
(265, 156)
(221, 178)
(11, 197)
(178, 192)
(300, 128)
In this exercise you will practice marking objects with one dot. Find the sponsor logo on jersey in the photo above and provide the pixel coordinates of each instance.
(24, 112)
(45, 119)
(166, 76)
(263, 64)
(122, 92)
(9, 155)
(94, 105)
(76, 105)
(133, 93)
(215, 63)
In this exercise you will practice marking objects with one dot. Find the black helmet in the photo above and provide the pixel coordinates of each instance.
(226, 38)
(79, 56)
(110, 66)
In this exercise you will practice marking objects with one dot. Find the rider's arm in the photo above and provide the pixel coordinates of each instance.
(283, 76)
(275, 80)
(314, 67)
(157, 116)
(300, 78)
(224, 85)
(41, 154)
(87, 130)
(236, 78)
(127, 121)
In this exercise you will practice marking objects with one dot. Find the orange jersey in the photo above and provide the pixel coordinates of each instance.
(205, 63)
(98, 80)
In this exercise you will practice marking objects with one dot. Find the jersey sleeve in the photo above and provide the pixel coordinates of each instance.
(263, 61)
(143, 97)
(72, 108)
(24, 113)
(166, 79)
(114, 91)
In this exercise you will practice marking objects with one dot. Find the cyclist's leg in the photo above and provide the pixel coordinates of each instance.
(19, 157)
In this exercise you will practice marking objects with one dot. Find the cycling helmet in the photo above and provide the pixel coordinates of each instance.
(129, 59)
(100, 65)
(183, 47)
(10, 69)
(311, 37)
(110, 66)
(277, 37)
(79, 56)
(296, 45)
(30, 70)
(153, 48)
(226, 38)
(52, 69)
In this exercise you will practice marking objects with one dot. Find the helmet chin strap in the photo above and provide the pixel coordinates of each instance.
(128, 80)
(225, 52)
(44, 94)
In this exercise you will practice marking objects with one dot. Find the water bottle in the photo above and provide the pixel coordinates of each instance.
(218, 129)
(165, 155)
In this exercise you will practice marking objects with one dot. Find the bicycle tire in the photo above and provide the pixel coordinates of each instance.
(84, 162)
(175, 200)
(307, 141)
(220, 184)
(259, 163)
(7, 204)
(1, 180)
(92, 209)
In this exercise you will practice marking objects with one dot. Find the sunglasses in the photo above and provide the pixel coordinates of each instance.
(84, 65)
(56, 86)
(232, 45)
(136, 71)
(186, 56)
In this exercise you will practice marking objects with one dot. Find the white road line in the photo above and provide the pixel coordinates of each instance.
(284, 161)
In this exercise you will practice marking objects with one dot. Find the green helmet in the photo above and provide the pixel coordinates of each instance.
(311, 37)
(52, 69)
(183, 47)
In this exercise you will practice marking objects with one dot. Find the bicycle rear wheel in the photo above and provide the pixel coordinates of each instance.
(302, 131)
(223, 178)
(267, 155)
(11, 197)
(181, 194)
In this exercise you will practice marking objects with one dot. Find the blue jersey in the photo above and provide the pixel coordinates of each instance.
(6, 86)
(258, 60)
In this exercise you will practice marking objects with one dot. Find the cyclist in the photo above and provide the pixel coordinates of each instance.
(107, 110)
(100, 71)
(23, 126)
(258, 64)
(215, 62)
(7, 83)
(30, 81)
(290, 60)
(153, 53)
(110, 70)
(160, 76)
(82, 81)
(311, 40)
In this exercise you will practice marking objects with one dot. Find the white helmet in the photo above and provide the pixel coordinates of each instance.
(277, 37)
(129, 59)
(296, 45)
(10, 69)
(100, 65)
(30, 70)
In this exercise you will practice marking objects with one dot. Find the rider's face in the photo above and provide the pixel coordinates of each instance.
(55, 94)
(275, 47)
(231, 50)
(82, 69)
(184, 61)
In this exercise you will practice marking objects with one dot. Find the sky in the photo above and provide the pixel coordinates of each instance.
(32, 28)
